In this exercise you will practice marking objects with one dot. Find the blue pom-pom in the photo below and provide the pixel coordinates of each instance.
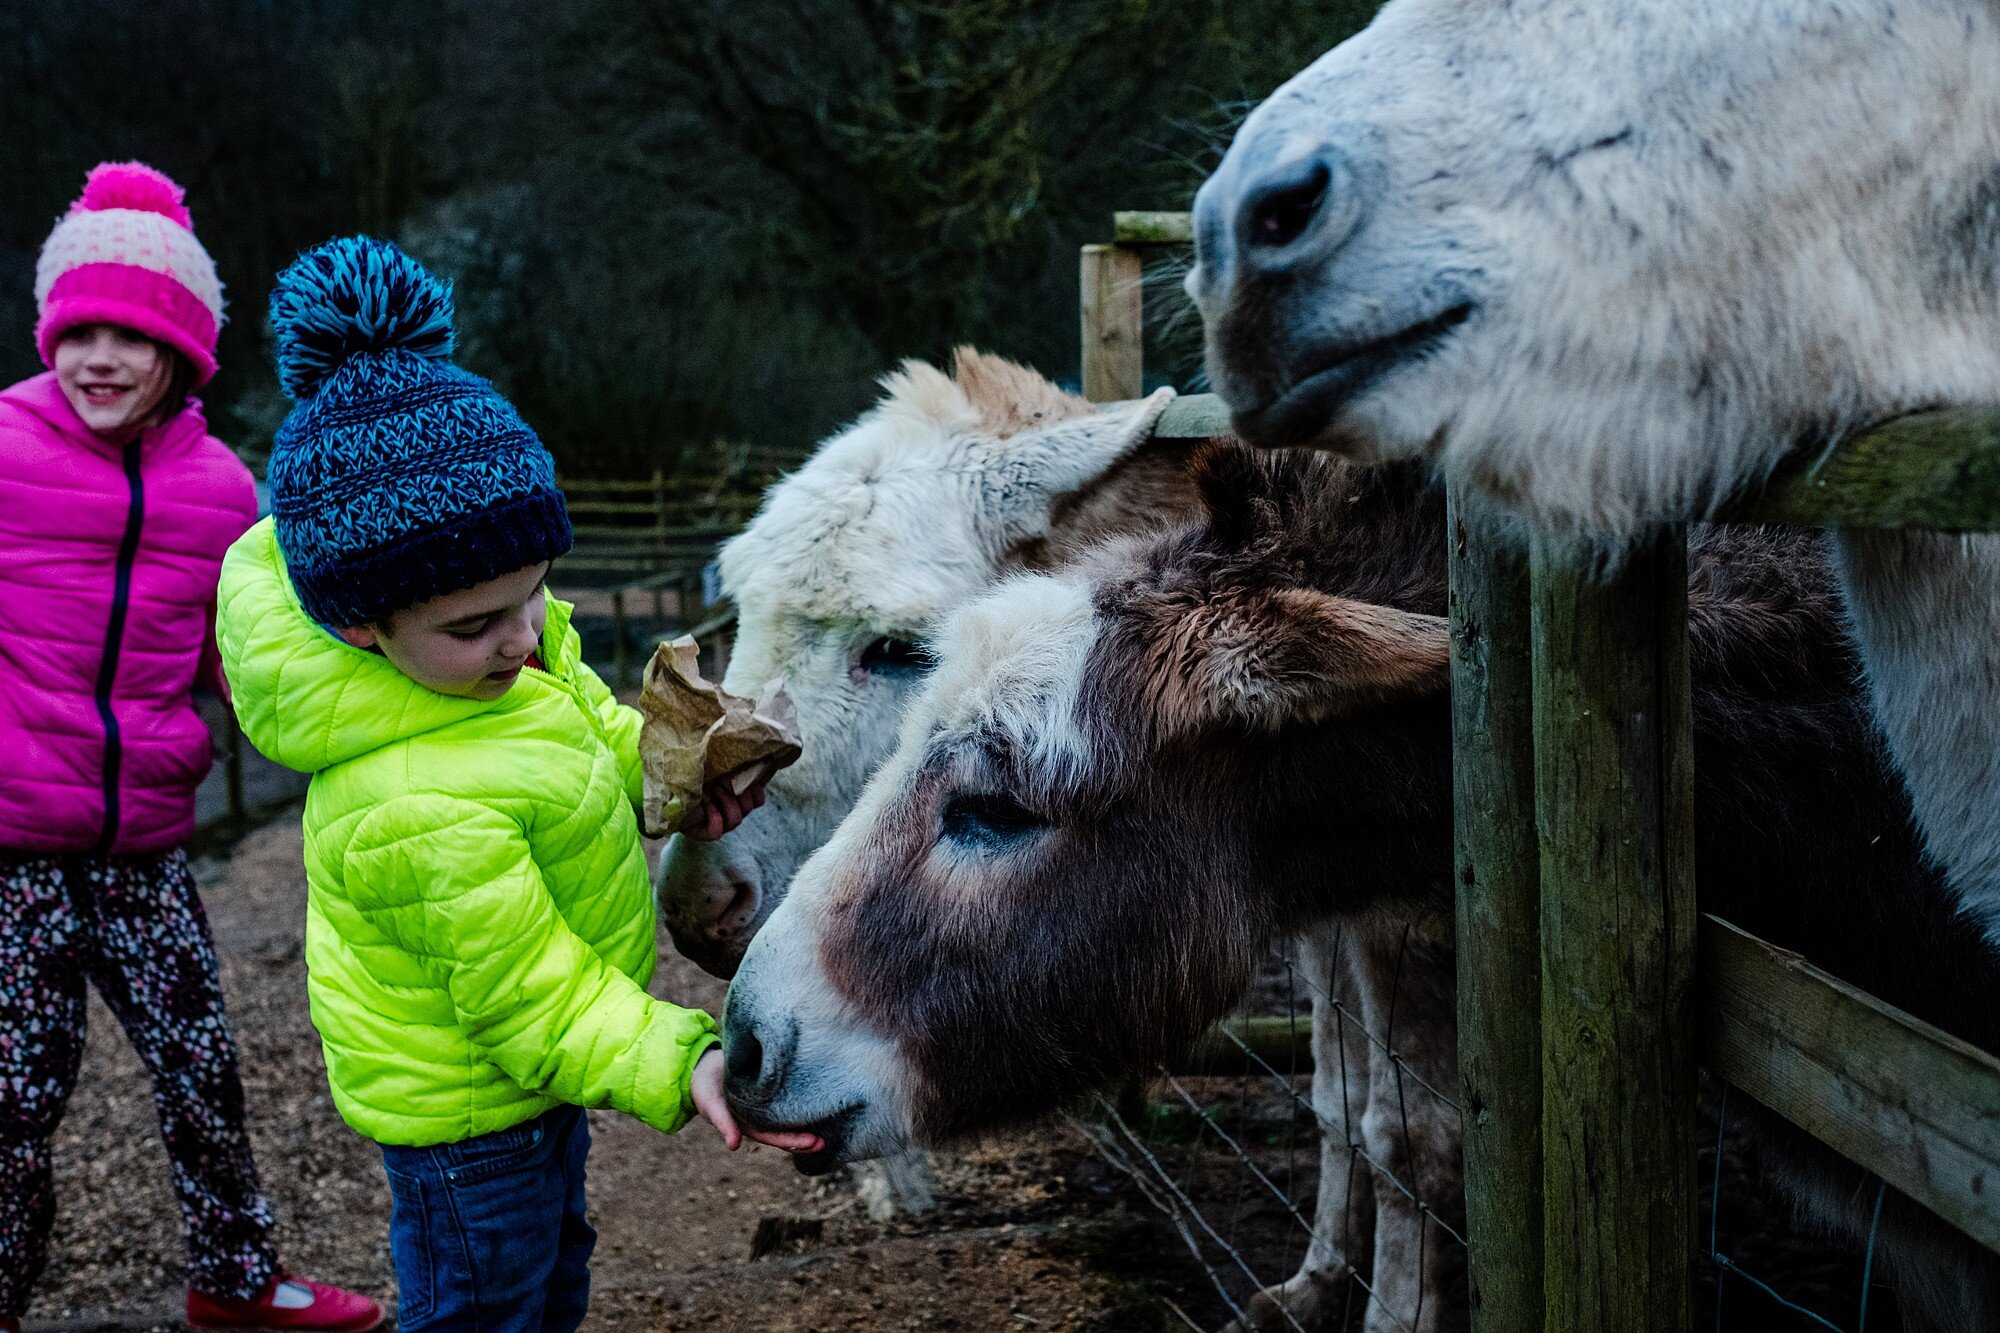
(354, 295)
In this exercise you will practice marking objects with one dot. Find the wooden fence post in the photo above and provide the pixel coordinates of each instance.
(1499, 922)
(621, 652)
(1114, 324)
(1614, 808)
(1114, 369)
(659, 533)
(725, 641)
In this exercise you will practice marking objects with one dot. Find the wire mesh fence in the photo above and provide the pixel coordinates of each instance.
(1320, 1192)
(1763, 1290)
(1312, 1179)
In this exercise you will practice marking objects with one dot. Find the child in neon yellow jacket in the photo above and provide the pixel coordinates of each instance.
(480, 925)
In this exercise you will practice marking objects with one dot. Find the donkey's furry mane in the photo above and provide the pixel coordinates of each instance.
(1764, 611)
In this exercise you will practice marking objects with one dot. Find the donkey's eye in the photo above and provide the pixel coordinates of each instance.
(989, 820)
(895, 657)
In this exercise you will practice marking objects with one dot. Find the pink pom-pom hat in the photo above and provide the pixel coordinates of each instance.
(126, 254)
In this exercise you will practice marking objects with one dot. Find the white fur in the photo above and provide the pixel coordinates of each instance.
(1011, 662)
(1344, 1216)
(1927, 615)
(1697, 233)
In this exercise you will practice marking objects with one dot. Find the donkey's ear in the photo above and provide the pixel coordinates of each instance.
(1296, 656)
(1026, 474)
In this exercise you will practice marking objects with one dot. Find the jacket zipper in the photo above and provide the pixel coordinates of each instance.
(114, 638)
(576, 697)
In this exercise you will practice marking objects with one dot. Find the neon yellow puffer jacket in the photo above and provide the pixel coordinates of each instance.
(479, 926)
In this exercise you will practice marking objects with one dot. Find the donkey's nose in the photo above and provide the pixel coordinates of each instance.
(1270, 209)
(712, 901)
(754, 1058)
(743, 1058)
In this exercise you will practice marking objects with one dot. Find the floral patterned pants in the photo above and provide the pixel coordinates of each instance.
(134, 928)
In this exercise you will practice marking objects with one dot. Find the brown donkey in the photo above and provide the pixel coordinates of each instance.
(1115, 791)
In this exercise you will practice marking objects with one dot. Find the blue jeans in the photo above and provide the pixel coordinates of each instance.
(488, 1234)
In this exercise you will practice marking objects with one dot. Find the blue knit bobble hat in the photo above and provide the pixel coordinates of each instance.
(397, 477)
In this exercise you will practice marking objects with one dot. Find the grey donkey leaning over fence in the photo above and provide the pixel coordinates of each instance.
(1605, 261)
(1241, 730)
(947, 484)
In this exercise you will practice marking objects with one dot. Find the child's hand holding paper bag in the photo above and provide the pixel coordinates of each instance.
(702, 747)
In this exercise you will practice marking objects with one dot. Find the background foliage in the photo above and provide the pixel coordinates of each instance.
(672, 222)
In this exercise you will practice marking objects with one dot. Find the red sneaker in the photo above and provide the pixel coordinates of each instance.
(332, 1309)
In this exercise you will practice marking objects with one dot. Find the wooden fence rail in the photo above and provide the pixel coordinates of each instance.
(1588, 986)
(656, 546)
(642, 529)
(1916, 1106)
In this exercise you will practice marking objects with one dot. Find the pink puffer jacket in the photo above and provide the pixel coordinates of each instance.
(109, 556)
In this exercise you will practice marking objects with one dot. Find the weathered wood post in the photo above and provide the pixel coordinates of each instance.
(1614, 802)
(621, 652)
(657, 557)
(1114, 324)
(725, 640)
(1113, 307)
(1499, 922)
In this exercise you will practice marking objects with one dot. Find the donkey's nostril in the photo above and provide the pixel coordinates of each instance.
(743, 1057)
(1280, 210)
(740, 910)
(756, 1057)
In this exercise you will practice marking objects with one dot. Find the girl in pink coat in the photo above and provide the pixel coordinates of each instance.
(116, 506)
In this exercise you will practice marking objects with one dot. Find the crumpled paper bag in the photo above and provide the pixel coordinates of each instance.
(697, 735)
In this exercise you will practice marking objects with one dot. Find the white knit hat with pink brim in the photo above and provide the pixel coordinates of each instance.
(126, 254)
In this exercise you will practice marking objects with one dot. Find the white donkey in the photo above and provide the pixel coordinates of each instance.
(1607, 260)
(946, 485)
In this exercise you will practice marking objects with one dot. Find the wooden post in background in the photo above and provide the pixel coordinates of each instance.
(1114, 324)
(621, 651)
(1614, 801)
(1499, 921)
(1114, 369)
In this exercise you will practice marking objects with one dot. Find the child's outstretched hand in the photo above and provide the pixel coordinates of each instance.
(714, 1108)
(724, 810)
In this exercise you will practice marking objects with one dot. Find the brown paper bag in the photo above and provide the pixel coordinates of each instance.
(696, 736)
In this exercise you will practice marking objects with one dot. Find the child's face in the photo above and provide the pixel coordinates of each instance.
(470, 644)
(113, 377)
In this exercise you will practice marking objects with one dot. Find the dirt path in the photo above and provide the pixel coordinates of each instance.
(1031, 1232)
